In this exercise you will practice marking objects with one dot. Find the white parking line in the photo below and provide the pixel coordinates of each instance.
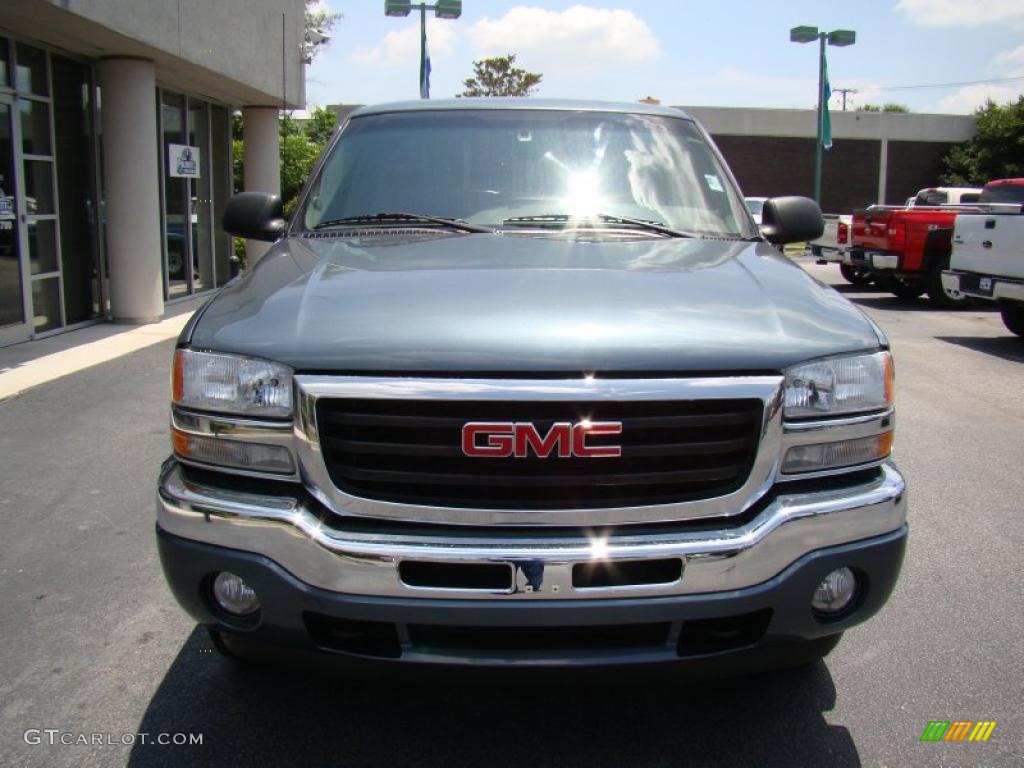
(41, 370)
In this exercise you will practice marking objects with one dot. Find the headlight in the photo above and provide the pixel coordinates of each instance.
(208, 381)
(839, 385)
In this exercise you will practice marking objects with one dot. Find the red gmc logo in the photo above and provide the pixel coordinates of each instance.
(507, 438)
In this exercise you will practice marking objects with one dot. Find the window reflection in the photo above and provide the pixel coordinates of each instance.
(528, 163)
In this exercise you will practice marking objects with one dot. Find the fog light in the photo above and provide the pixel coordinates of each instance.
(835, 593)
(234, 595)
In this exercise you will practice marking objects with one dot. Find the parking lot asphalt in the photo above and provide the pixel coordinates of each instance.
(93, 642)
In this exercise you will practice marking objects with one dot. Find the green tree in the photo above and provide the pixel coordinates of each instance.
(300, 145)
(995, 152)
(891, 106)
(319, 22)
(320, 126)
(498, 77)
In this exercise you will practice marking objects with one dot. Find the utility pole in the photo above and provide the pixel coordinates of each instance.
(845, 91)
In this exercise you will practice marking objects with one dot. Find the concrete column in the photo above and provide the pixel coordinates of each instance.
(883, 170)
(131, 175)
(262, 163)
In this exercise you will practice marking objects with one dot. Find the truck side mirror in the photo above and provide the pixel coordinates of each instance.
(255, 216)
(791, 220)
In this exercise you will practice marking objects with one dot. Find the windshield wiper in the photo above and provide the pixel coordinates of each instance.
(419, 218)
(562, 218)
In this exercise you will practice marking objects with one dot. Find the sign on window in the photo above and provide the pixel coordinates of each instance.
(183, 161)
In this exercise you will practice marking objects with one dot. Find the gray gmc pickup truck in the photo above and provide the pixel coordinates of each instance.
(521, 383)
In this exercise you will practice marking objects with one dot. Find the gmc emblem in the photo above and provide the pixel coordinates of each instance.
(501, 439)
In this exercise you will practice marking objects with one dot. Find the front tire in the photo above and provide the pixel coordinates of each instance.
(220, 643)
(1013, 317)
(855, 275)
(937, 292)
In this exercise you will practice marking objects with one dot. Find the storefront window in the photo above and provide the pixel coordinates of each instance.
(39, 186)
(220, 121)
(46, 304)
(75, 186)
(42, 245)
(202, 203)
(35, 127)
(5, 62)
(11, 308)
(178, 219)
(31, 72)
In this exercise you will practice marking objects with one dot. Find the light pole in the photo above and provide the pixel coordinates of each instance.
(443, 9)
(839, 37)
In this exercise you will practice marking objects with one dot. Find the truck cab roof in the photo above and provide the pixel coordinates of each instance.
(568, 105)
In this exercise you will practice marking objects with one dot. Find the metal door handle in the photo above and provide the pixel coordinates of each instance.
(986, 243)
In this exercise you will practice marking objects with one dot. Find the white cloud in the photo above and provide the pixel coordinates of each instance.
(961, 13)
(968, 98)
(965, 100)
(401, 46)
(731, 86)
(1009, 63)
(579, 38)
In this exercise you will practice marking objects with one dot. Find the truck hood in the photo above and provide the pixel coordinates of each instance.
(454, 303)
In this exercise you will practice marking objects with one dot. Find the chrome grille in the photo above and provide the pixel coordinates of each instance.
(410, 451)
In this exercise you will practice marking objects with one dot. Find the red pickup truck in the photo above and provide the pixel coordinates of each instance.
(906, 249)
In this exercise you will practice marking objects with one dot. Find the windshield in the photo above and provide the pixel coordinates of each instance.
(1003, 193)
(931, 197)
(490, 166)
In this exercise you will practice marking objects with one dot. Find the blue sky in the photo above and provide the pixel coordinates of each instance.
(692, 53)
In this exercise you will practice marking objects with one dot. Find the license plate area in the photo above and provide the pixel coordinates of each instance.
(976, 284)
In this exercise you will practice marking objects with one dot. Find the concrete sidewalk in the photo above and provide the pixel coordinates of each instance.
(27, 365)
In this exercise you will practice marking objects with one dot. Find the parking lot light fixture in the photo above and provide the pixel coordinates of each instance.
(837, 37)
(443, 9)
(397, 7)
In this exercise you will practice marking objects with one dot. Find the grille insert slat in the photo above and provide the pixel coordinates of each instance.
(547, 480)
(410, 451)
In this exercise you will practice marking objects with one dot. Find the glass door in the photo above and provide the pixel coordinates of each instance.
(189, 201)
(178, 242)
(14, 325)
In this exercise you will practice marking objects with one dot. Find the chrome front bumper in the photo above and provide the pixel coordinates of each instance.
(314, 546)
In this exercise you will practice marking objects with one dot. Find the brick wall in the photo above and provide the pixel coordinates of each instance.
(767, 166)
(913, 165)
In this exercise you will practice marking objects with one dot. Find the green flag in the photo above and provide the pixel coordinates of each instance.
(826, 120)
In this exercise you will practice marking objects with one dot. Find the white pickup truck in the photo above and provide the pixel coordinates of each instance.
(988, 251)
(833, 247)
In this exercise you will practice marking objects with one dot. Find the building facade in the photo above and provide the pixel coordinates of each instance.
(876, 157)
(115, 149)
